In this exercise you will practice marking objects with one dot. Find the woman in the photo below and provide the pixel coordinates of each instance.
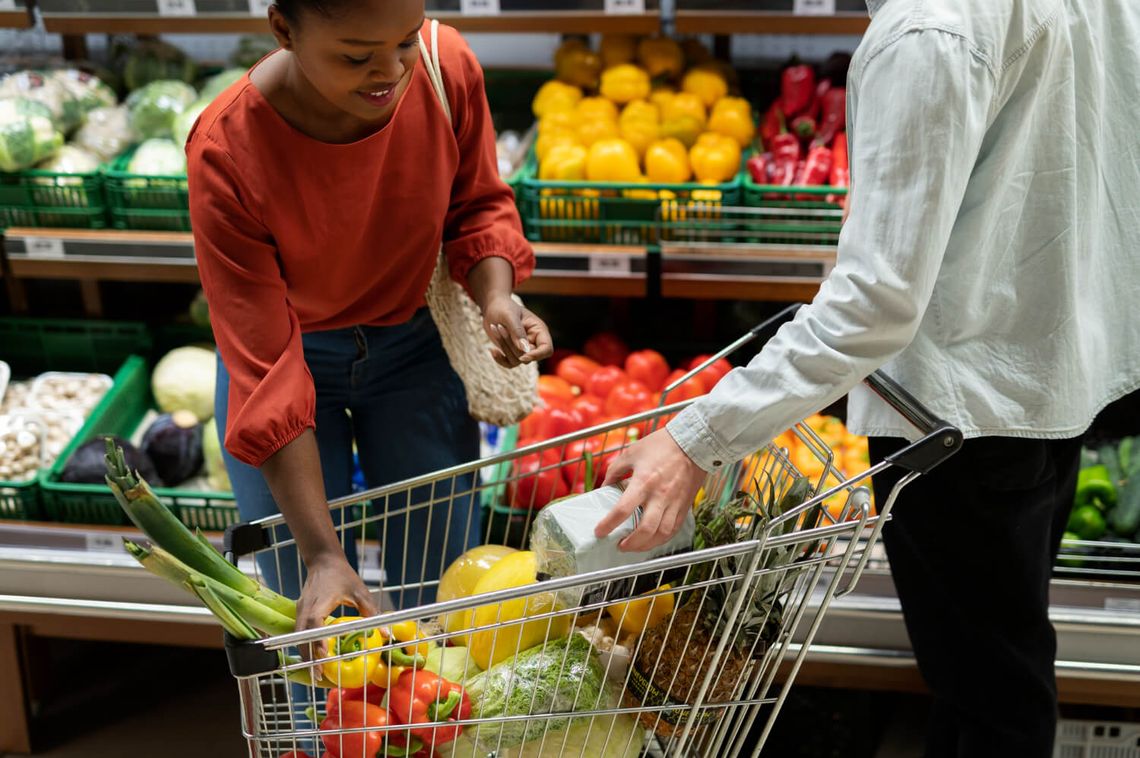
(321, 187)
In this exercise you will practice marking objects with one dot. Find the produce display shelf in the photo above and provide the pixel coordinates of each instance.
(15, 19)
(49, 198)
(771, 16)
(137, 256)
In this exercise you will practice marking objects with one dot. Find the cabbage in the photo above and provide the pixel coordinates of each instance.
(454, 663)
(87, 89)
(173, 442)
(154, 60)
(185, 121)
(71, 160)
(184, 380)
(158, 157)
(106, 132)
(217, 477)
(617, 736)
(27, 135)
(154, 108)
(252, 48)
(219, 83)
(64, 108)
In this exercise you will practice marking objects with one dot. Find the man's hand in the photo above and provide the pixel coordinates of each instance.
(519, 336)
(663, 480)
(330, 584)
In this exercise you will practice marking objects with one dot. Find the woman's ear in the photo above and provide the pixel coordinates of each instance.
(280, 28)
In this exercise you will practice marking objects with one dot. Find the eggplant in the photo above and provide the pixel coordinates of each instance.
(174, 443)
(87, 465)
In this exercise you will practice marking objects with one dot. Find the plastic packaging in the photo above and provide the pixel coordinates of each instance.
(65, 391)
(563, 540)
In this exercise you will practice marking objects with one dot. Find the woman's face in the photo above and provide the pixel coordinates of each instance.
(361, 58)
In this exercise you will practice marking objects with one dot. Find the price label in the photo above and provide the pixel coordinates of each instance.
(7, 5)
(610, 265)
(479, 7)
(814, 7)
(102, 542)
(370, 556)
(1122, 604)
(625, 6)
(43, 247)
(181, 8)
(259, 7)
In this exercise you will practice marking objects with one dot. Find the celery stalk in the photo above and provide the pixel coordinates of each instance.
(160, 525)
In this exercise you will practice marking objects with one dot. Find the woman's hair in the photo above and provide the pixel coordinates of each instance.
(292, 9)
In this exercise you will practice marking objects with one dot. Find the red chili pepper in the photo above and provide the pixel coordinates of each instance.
(420, 697)
(821, 89)
(815, 171)
(758, 167)
(785, 147)
(773, 124)
(797, 86)
(840, 171)
(834, 118)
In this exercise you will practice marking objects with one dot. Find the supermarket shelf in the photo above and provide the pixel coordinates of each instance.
(768, 22)
(15, 19)
(744, 271)
(111, 255)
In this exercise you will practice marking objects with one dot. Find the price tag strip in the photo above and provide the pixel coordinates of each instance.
(625, 7)
(575, 262)
(177, 8)
(43, 247)
(259, 7)
(479, 7)
(813, 7)
(8, 5)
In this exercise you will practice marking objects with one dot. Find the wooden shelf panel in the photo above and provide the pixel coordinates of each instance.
(768, 22)
(15, 19)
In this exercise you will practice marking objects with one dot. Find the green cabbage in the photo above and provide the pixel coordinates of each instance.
(154, 60)
(454, 663)
(69, 160)
(558, 677)
(154, 108)
(106, 132)
(158, 157)
(33, 85)
(219, 83)
(27, 135)
(87, 89)
(184, 121)
(184, 380)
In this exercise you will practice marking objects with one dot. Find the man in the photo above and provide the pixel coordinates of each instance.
(990, 264)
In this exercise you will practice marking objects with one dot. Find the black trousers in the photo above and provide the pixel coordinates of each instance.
(971, 547)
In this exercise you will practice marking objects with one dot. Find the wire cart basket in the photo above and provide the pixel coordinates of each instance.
(698, 657)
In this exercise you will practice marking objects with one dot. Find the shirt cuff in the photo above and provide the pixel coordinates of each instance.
(692, 433)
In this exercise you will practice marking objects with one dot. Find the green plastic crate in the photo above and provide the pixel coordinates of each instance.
(615, 213)
(150, 203)
(33, 346)
(120, 413)
(51, 199)
(797, 215)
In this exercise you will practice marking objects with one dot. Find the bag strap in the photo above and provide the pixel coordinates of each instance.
(431, 65)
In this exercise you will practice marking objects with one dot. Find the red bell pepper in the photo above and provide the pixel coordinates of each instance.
(797, 88)
(354, 714)
(605, 379)
(589, 407)
(690, 390)
(555, 391)
(648, 367)
(804, 127)
(535, 482)
(577, 370)
(834, 116)
(420, 697)
(715, 371)
(606, 348)
(629, 398)
(785, 147)
(815, 171)
(840, 171)
(560, 421)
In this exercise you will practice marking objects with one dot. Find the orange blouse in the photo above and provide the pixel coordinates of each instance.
(295, 235)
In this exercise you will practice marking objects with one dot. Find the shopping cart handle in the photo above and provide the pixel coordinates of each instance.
(940, 440)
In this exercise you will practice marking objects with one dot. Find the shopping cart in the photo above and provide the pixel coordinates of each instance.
(704, 664)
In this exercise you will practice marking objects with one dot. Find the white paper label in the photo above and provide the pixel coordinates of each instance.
(7, 5)
(1122, 604)
(43, 247)
(609, 264)
(369, 556)
(177, 8)
(259, 7)
(479, 7)
(625, 6)
(814, 7)
(102, 542)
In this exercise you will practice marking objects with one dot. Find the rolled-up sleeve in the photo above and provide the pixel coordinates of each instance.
(482, 220)
(919, 109)
(271, 398)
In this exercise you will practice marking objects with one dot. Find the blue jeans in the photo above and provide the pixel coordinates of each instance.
(392, 391)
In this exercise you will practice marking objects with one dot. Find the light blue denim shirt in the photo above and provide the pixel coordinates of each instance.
(991, 260)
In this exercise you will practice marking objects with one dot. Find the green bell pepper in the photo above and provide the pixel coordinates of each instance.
(1095, 487)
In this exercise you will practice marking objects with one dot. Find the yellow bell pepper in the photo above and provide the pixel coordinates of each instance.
(355, 671)
(732, 117)
(685, 104)
(617, 49)
(596, 129)
(715, 158)
(639, 125)
(563, 163)
(706, 84)
(590, 108)
(625, 83)
(558, 121)
(635, 616)
(661, 95)
(667, 162)
(661, 57)
(555, 96)
(612, 160)
(408, 631)
(580, 67)
(545, 143)
(640, 110)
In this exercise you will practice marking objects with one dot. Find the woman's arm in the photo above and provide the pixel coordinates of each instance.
(520, 335)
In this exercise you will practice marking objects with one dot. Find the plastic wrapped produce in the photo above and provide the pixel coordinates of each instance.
(34, 85)
(154, 108)
(87, 89)
(106, 132)
(27, 134)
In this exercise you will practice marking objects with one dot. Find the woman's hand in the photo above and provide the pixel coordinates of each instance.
(519, 336)
(331, 583)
